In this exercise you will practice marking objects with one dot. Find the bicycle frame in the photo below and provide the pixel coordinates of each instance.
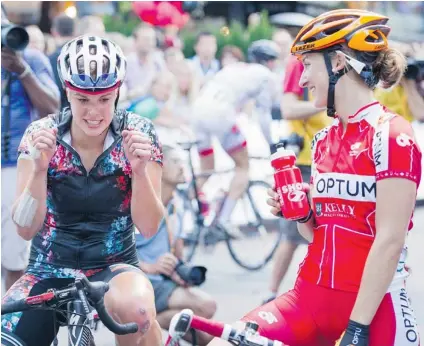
(85, 306)
(79, 333)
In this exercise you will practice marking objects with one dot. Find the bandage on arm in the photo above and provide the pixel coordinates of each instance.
(26, 209)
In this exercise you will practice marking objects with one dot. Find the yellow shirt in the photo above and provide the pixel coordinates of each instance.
(396, 100)
(306, 128)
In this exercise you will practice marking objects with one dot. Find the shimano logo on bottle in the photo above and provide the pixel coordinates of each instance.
(346, 186)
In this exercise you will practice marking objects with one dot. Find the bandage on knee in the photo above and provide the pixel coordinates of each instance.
(25, 210)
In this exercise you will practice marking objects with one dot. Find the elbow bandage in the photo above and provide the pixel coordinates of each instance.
(25, 210)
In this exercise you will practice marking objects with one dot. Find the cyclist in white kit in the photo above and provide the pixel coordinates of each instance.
(218, 104)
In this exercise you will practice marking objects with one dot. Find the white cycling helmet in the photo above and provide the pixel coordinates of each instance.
(91, 64)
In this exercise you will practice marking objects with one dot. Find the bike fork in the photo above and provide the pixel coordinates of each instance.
(79, 334)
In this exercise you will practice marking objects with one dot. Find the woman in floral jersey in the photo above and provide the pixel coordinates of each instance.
(89, 174)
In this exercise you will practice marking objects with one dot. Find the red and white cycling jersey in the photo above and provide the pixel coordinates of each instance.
(377, 145)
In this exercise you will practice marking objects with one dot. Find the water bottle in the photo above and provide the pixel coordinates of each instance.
(289, 185)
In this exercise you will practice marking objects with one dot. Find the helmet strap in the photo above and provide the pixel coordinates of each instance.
(333, 79)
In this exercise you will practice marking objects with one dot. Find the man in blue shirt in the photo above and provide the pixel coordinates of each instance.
(160, 255)
(204, 63)
(29, 92)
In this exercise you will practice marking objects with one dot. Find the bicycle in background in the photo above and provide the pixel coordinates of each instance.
(258, 228)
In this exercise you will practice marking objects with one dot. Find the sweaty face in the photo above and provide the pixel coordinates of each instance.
(92, 113)
(315, 78)
(173, 168)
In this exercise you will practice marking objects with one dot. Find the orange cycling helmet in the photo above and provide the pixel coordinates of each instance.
(363, 31)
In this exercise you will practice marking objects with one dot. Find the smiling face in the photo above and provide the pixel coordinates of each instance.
(315, 78)
(92, 114)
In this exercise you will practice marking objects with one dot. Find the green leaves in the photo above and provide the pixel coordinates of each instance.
(235, 34)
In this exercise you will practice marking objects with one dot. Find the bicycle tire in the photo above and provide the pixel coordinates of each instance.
(260, 222)
(191, 243)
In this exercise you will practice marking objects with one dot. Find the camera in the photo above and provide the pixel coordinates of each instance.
(192, 275)
(14, 36)
(415, 69)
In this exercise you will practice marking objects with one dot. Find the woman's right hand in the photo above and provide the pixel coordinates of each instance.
(274, 200)
(42, 145)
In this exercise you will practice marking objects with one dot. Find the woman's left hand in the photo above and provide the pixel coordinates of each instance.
(138, 150)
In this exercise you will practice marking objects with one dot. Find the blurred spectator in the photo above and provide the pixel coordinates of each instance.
(143, 65)
(204, 62)
(28, 92)
(231, 54)
(50, 44)
(173, 57)
(126, 43)
(254, 20)
(158, 105)
(92, 25)
(63, 30)
(36, 38)
(160, 255)
(283, 39)
(171, 38)
(404, 98)
(152, 104)
(186, 91)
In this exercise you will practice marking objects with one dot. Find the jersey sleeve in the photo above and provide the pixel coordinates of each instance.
(294, 71)
(144, 125)
(395, 151)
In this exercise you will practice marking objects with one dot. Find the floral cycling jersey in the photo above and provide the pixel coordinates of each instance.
(346, 166)
(88, 223)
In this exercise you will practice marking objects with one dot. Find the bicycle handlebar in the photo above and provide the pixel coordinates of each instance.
(93, 291)
(184, 320)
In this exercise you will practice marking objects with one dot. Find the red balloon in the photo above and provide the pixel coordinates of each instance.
(167, 14)
(161, 13)
(146, 11)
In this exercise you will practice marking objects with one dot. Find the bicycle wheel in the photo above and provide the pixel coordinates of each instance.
(190, 227)
(259, 234)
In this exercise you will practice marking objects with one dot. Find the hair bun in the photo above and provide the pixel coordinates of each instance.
(389, 67)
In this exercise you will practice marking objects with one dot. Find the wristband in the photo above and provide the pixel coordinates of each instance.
(355, 334)
(307, 218)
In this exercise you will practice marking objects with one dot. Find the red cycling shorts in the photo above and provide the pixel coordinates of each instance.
(311, 315)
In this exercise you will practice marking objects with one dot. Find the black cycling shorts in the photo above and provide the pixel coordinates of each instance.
(39, 327)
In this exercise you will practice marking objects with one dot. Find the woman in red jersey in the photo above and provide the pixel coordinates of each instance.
(366, 168)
